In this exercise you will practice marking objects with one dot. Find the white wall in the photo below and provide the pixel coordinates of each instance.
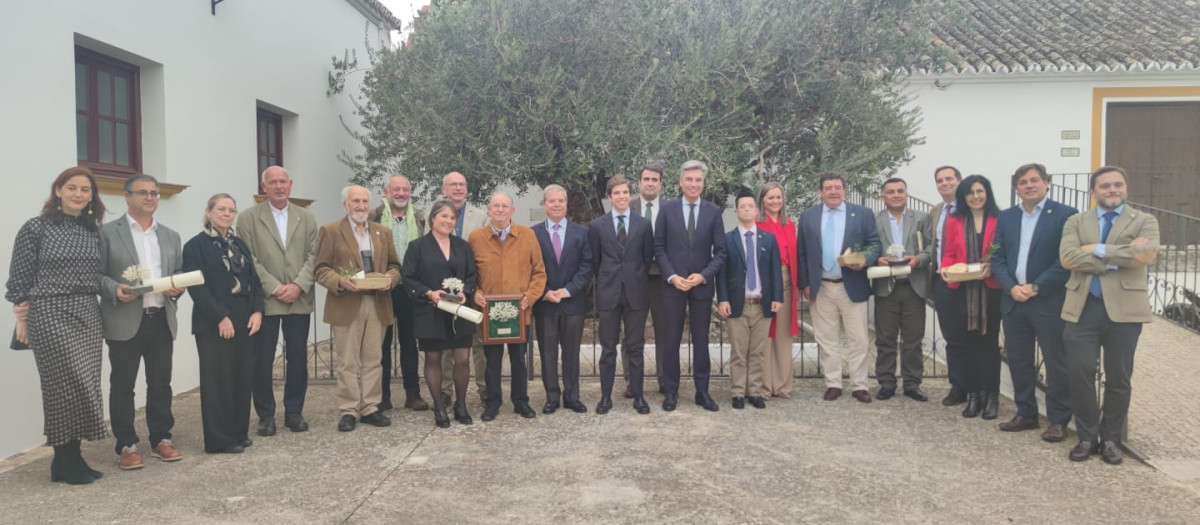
(990, 124)
(202, 76)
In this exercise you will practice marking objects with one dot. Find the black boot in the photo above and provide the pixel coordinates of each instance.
(439, 416)
(67, 467)
(991, 405)
(75, 449)
(460, 413)
(973, 405)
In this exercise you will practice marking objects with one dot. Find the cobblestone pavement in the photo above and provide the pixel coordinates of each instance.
(801, 460)
(1164, 414)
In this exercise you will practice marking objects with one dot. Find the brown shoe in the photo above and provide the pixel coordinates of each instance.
(165, 451)
(413, 401)
(130, 459)
(1054, 434)
(955, 397)
(862, 396)
(628, 393)
(1020, 423)
(831, 393)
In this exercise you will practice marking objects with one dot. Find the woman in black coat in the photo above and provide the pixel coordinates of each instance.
(227, 313)
(429, 261)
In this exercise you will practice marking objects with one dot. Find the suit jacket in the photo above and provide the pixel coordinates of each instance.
(1124, 289)
(705, 255)
(512, 267)
(731, 280)
(616, 271)
(1041, 265)
(574, 272)
(955, 249)
(915, 223)
(337, 249)
(210, 299)
(117, 252)
(860, 230)
(425, 268)
(277, 265)
(635, 205)
(474, 219)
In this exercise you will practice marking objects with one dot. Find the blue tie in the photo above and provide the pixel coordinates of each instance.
(1104, 231)
(751, 271)
(828, 250)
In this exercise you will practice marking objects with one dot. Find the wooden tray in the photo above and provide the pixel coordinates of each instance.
(372, 283)
(964, 272)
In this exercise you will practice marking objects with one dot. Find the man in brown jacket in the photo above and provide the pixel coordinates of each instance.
(357, 316)
(509, 259)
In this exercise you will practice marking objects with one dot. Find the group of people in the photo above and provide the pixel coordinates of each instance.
(1070, 283)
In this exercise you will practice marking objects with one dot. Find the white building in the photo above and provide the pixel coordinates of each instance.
(198, 94)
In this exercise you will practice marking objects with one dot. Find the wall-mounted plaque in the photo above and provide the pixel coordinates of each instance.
(1069, 152)
(1070, 134)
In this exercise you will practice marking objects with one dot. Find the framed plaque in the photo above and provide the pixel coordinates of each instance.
(503, 320)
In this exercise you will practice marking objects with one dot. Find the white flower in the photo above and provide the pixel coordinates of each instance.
(501, 312)
(453, 284)
(136, 274)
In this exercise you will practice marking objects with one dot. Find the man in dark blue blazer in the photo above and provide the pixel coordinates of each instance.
(558, 316)
(1032, 278)
(622, 244)
(752, 278)
(837, 292)
(689, 246)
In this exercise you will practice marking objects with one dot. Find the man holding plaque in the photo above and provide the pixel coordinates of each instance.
(906, 236)
(283, 239)
(511, 278)
(139, 328)
(567, 258)
(356, 262)
(469, 219)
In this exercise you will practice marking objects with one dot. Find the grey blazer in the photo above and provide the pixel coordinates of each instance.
(276, 265)
(915, 222)
(117, 252)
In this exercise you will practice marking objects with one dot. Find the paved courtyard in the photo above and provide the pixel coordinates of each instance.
(798, 461)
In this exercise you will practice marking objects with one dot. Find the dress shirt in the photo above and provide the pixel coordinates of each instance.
(653, 212)
(839, 235)
(1099, 252)
(941, 228)
(281, 220)
(562, 233)
(400, 232)
(687, 210)
(756, 292)
(364, 241)
(149, 256)
(897, 230)
(458, 224)
(502, 234)
(1028, 224)
(616, 214)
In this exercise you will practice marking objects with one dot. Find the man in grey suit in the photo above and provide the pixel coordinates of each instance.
(283, 239)
(470, 218)
(139, 328)
(646, 205)
(906, 236)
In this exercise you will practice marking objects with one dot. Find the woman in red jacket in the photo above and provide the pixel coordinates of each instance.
(968, 239)
(777, 367)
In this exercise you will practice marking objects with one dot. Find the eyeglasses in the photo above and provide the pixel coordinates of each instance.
(141, 194)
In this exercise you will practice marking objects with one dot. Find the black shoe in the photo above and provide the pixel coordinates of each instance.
(628, 393)
(295, 423)
(575, 406)
(346, 423)
(439, 417)
(670, 401)
(991, 405)
(706, 401)
(1083, 451)
(524, 410)
(640, 404)
(739, 402)
(550, 407)
(235, 448)
(1110, 452)
(886, 393)
(67, 467)
(974, 405)
(376, 419)
(266, 426)
(757, 402)
(246, 443)
(604, 405)
(95, 474)
(489, 413)
(916, 394)
(386, 404)
(460, 413)
(955, 397)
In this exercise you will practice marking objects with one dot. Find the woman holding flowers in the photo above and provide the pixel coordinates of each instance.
(440, 266)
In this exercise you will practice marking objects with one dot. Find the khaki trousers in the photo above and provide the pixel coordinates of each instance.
(477, 361)
(358, 347)
(777, 364)
(748, 335)
(834, 315)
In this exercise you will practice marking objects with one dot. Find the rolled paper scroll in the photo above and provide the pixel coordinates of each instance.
(470, 314)
(162, 284)
(883, 272)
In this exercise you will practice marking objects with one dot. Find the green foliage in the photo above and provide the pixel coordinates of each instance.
(573, 91)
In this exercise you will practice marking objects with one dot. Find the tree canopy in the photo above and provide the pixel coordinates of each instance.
(574, 91)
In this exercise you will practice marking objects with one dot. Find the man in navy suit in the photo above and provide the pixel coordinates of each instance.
(558, 316)
(622, 245)
(1032, 278)
(749, 291)
(689, 245)
(837, 294)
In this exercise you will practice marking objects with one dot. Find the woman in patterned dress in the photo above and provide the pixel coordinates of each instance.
(53, 284)
(227, 313)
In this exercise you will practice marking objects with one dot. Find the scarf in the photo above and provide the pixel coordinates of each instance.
(976, 290)
(232, 256)
(410, 218)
